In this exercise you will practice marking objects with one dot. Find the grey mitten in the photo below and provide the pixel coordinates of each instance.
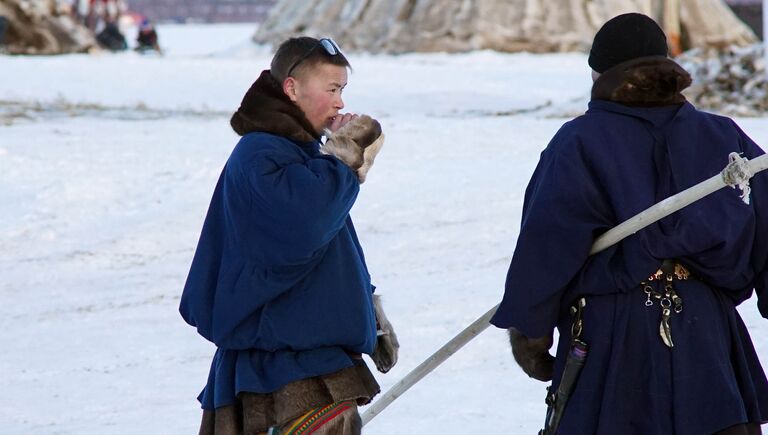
(349, 143)
(385, 354)
(532, 354)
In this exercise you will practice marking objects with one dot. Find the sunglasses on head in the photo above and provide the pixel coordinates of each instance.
(328, 44)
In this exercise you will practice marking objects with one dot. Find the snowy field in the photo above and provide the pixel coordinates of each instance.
(107, 164)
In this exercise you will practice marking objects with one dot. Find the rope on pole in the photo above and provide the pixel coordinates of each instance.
(737, 173)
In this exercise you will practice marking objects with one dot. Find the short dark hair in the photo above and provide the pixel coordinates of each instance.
(294, 49)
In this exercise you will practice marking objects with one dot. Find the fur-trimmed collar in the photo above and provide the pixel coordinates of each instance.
(266, 108)
(645, 81)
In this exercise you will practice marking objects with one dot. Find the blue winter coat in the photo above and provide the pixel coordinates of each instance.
(279, 281)
(599, 170)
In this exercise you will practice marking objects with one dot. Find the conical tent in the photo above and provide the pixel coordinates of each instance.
(38, 27)
(398, 26)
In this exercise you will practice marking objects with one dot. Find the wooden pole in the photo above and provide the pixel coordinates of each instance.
(765, 33)
(669, 206)
(423, 369)
(671, 24)
(613, 236)
(646, 7)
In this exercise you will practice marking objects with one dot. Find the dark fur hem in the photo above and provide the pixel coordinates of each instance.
(266, 108)
(645, 81)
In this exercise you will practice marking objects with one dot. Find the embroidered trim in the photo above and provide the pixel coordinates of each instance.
(318, 417)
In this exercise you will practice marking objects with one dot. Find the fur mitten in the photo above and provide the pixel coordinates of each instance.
(385, 354)
(368, 156)
(350, 142)
(532, 354)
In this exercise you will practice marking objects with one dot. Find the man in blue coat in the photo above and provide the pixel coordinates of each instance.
(278, 281)
(667, 351)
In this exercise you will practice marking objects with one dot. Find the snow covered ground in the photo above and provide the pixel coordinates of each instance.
(107, 164)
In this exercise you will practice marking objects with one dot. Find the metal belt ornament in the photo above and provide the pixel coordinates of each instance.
(669, 300)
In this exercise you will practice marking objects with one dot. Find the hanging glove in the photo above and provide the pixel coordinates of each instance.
(350, 143)
(370, 153)
(385, 354)
(532, 355)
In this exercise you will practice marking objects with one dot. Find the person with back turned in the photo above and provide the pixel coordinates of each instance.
(650, 341)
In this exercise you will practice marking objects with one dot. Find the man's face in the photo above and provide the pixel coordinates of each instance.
(317, 91)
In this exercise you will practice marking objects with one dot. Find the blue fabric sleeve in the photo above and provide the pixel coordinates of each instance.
(562, 212)
(272, 220)
(298, 206)
(359, 248)
(759, 185)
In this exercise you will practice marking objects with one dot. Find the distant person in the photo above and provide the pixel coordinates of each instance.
(3, 31)
(95, 12)
(113, 10)
(81, 10)
(111, 38)
(147, 38)
(279, 282)
(661, 346)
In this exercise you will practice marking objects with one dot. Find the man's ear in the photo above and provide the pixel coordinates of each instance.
(289, 88)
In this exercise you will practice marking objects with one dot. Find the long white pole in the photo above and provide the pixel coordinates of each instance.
(610, 238)
(429, 364)
(669, 206)
(671, 23)
(765, 33)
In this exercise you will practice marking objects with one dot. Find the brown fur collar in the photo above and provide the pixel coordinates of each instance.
(645, 81)
(266, 108)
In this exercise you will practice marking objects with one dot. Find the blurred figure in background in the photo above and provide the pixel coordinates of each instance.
(113, 10)
(111, 37)
(147, 38)
(108, 33)
(81, 9)
(3, 30)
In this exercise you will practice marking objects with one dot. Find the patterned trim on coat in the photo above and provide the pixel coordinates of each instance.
(318, 417)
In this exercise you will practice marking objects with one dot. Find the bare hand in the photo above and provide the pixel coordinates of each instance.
(340, 120)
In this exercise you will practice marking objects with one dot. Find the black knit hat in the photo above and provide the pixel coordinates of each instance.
(626, 37)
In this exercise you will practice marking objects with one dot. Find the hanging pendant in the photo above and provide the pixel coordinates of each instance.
(664, 330)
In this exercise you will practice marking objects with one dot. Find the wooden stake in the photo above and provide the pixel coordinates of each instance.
(672, 26)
